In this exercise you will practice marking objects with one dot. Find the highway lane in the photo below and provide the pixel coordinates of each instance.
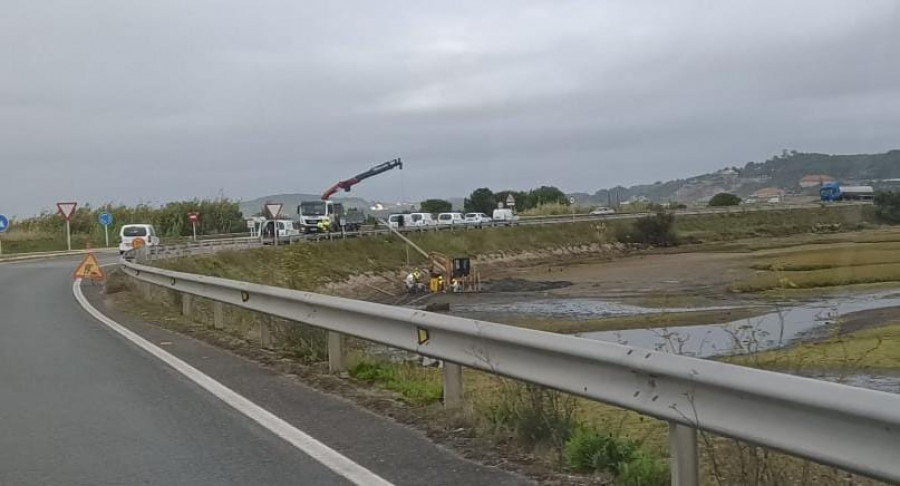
(79, 405)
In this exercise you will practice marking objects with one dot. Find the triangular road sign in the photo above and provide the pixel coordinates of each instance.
(273, 209)
(67, 209)
(90, 268)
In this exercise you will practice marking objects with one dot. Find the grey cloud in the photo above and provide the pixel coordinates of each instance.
(152, 101)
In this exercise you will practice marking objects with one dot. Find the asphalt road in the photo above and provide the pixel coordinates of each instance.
(80, 405)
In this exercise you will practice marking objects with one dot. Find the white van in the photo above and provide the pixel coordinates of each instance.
(504, 216)
(399, 221)
(451, 219)
(285, 227)
(131, 232)
(422, 220)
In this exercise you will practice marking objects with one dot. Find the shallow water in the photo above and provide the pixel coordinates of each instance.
(567, 308)
(768, 331)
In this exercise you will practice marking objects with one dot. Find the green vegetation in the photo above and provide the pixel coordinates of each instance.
(656, 230)
(484, 200)
(837, 265)
(887, 206)
(589, 450)
(47, 232)
(435, 206)
(310, 266)
(724, 199)
(416, 384)
(752, 224)
(877, 348)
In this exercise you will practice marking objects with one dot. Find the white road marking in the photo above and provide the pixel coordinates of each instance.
(325, 455)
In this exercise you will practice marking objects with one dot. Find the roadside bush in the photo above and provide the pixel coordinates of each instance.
(657, 230)
(644, 470)
(887, 206)
(589, 450)
(724, 199)
(535, 415)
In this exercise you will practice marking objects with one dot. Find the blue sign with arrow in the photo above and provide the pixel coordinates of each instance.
(106, 219)
(4, 223)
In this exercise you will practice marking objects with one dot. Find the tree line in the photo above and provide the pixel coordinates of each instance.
(484, 200)
(171, 219)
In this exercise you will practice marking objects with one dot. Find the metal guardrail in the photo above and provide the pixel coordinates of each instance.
(849, 428)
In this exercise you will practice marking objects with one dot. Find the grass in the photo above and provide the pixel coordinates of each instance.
(662, 319)
(869, 349)
(416, 384)
(841, 264)
(311, 266)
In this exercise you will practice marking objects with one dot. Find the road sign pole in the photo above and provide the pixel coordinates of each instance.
(68, 235)
(106, 231)
(1, 246)
(194, 225)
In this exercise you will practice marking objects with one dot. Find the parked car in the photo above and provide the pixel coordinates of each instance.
(478, 219)
(131, 232)
(451, 219)
(603, 210)
(504, 216)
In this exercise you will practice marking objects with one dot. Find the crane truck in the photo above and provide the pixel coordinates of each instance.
(311, 212)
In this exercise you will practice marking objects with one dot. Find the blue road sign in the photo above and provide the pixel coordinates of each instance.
(4, 223)
(106, 219)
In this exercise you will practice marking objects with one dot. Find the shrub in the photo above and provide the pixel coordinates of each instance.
(724, 199)
(887, 206)
(657, 230)
(644, 470)
(535, 415)
(591, 451)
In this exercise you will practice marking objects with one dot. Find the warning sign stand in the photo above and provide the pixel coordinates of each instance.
(89, 268)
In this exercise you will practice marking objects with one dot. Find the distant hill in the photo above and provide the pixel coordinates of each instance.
(783, 171)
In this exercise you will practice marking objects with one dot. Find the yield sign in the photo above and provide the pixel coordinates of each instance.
(274, 209)
(67, 209)
(89, 268)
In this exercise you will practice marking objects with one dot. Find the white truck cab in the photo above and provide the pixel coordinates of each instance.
(129, 233)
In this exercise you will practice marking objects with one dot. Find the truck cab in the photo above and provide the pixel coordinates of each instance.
(309, 213)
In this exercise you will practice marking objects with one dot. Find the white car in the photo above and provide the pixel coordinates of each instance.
(603, 210)
(478, 219)
(129, 233)
(451, 219)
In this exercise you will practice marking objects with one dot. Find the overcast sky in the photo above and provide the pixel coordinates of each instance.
(129, 101)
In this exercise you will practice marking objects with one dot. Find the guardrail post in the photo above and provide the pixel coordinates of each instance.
(685, 462)
(453, 385)
(218, 315)
(337, 356)
(186, 304)
(265, 333)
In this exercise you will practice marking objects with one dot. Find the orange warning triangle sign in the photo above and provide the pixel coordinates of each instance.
(90, 268)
